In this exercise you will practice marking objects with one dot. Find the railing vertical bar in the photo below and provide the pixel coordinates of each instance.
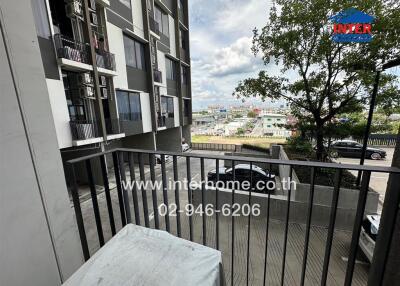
(286, 226)
(189, 179)
(134, 189)
(107, 193)
(95, 204)
(308, 225)
(362, 200)
(165, 191)
(267, 233)
(217, 205)
(78, 215)
(331, 228)
(154, 191)
(177, 201)
(203, 201)
(249, 226)
(233, 224)
(124, 190)
(119, 188)
(144, 194)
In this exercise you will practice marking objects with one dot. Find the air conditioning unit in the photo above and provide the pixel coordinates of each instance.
(103, 80)
(93, 19)
(86, 92)
(73, 9)
(92, 4)
(104, 92)
(85, 79)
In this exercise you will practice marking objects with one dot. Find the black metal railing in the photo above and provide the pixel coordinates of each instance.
(70, 49)
(84, 129)
(131, 165)
(105, 60)
(157, 76)
(154, 26)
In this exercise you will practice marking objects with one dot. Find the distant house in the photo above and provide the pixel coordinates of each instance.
(273, 125)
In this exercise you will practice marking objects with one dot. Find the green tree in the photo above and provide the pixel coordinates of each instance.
(297, 38)
(240, 131)
(252, 114)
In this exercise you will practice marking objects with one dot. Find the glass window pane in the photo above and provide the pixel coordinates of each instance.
(165, 23)
(123, 105)
(138, 55)
(130, 57)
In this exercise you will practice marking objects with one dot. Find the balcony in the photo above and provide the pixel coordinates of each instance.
(72, 54)
(289, 241)
(154, 26)
(157, 76)
(85, 132)
(105, 60)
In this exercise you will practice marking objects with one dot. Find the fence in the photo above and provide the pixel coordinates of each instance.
(217, 147)
(253, 251)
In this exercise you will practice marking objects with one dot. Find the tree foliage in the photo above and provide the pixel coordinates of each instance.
(317, 76)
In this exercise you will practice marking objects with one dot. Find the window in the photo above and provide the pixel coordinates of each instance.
(134, 53)
(182, 39)
(162, 19)
(129, 106)
(167, 106)
(170, 68)
(41, 20)
(185, 75)
(186, 108)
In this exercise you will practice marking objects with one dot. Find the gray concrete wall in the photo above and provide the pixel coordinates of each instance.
(144, 141)
(298, 210)
(39, 241)
(169, 140)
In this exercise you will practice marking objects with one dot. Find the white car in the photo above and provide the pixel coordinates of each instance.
(185, 147)
(369, 232)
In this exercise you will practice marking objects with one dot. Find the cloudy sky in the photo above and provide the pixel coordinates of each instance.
(221, 38)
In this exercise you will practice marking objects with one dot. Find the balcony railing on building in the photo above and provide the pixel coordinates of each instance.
(84, 129)
(105, 60)
(157, 76)
(256, 250)
(154, 26)
(70, 49)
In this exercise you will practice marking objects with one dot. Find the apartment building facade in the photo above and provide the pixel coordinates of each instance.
(117, 72)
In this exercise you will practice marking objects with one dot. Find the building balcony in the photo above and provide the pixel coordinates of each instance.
(72, 54)
(154, 26)
(105, 60)
(294, 235)
(157, 76)
(85, 132)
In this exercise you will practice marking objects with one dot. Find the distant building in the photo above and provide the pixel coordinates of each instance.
(273, 125)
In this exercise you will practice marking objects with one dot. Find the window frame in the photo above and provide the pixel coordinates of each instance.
(133, 114)
(133, 48)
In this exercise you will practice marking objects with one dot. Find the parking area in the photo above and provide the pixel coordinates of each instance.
(378, 180)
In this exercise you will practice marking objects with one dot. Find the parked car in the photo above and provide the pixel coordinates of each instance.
(158, 158)
(242, 173)
(185, 147)
(348, 148)
(369, 232)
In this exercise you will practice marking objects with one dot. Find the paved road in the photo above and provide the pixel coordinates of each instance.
(378, 180)
(258, 129)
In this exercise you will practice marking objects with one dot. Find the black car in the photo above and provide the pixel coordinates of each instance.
(242, 174)
(347, 148)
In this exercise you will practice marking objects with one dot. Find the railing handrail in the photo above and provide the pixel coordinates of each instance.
(370, 168)
(69, 39)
